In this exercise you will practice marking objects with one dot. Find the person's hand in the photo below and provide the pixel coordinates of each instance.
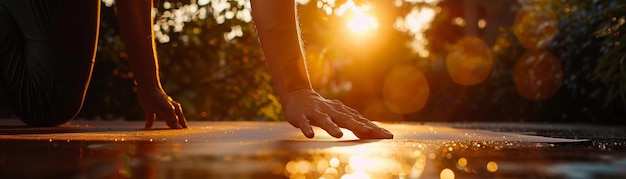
(305, 108)
(156, 103)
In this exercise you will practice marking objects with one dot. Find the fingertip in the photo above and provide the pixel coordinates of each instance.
(308, 132)
(335, 132)
(182, 120)
(172, 122)
(338, 134)
(383, 134)
(173, 125)
(149, 121)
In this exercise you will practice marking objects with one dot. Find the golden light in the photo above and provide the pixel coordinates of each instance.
(492, 166)
(537, 75)
(334, 162)
(446, 174)
(462, 162)
(366, 161)
(362, 22)
(482, 23)
(459, 21)
(469, 61)
(359, 21)
(415, 23)
(535, 26)
(406, 89)
(320, 69)
(417, 169)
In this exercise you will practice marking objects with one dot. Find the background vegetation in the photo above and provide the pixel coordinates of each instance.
(212, 63)
(219, 73)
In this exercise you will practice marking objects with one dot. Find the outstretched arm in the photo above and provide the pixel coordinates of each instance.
(276, 24)
(136, 24)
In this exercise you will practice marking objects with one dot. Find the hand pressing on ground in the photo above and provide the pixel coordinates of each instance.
(136, 22)
(157, 104)
(305, 108)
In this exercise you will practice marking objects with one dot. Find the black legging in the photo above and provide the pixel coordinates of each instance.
(47, 51)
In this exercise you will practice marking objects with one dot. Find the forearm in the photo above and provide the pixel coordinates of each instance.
(136, 23)
(276, 24)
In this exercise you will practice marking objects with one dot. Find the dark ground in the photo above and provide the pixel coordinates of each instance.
(96, 149)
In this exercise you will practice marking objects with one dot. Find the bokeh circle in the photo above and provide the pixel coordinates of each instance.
(535, 26)
(537, 75)
(406, 89)
(469, 61)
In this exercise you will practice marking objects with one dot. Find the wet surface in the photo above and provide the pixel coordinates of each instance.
(276, 150)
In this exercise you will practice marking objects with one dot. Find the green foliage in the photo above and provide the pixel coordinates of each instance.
(590, 36)
(611, 67)
(214, 77)
(590, 57)
(215, 68)
(218, 78)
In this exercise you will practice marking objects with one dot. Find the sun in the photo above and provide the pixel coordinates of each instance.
(362, 22)
(358, 20)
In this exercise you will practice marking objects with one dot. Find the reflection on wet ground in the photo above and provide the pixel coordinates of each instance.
(275, 150)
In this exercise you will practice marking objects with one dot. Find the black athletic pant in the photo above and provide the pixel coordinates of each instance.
(47, 50)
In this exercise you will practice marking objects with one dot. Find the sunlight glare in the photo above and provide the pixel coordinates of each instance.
(360, 21)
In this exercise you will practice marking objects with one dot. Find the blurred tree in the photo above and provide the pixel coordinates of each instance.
(593, 78)
(215, 67)
(586, 42)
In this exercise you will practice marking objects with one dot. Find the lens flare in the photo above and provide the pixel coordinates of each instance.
(537, 75)
(535, 26)
(469, 61)
(406, 89)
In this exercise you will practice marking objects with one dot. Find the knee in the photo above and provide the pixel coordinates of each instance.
(53, 112)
